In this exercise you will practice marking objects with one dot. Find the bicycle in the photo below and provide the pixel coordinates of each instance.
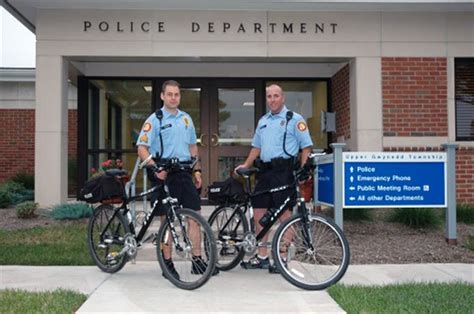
(113, 240)
(309, 250)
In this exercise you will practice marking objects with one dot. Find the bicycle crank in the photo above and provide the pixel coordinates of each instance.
(249, 243)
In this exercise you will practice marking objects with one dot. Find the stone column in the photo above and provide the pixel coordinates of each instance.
(51, 130)
(366, 104)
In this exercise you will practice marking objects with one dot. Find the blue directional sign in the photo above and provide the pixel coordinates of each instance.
(394, 180)
(325, 175)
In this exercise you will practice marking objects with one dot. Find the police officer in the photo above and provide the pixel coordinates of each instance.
(280, 134)
(170, 133)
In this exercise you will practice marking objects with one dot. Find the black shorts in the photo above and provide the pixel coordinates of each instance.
(181, 186)
(269, 179)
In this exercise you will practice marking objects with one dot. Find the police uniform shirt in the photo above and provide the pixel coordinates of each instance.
(269, 135)
(178, 133)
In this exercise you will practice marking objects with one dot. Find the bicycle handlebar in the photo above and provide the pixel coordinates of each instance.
(171, 164)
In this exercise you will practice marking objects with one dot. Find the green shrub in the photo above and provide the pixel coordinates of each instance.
(12, 187)
(71, 211)
(416, 217)
(465, 213)
(357, 214)
(25, 179)
(26, 210)
(5, 199)
(470, 242)
(16, 192)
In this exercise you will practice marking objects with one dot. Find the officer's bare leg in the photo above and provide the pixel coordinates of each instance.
(194, 233)
(166, 247)
(258, 214)
(289, 233)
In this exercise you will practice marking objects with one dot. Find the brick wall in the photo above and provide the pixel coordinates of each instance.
(414, 97)
(465, 175)
(17, 142)
(340, 101)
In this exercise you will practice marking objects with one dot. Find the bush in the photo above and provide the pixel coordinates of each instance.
(16, 192)
(416, 217)
(26, 210)
(357, 214)
(465, 213)
(5, 199)
(12, 187)
(25, 179)
(71, 211)
(470, 242)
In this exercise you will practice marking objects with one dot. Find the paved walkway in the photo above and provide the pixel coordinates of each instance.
(141, 288)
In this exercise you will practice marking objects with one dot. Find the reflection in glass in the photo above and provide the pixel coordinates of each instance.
(117, 110)
(191, 103)
(236, 116)
(227, 166)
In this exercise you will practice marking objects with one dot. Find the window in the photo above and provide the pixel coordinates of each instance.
(464, 99)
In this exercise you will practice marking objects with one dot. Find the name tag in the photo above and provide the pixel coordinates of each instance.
(169, 125)
(263, 126)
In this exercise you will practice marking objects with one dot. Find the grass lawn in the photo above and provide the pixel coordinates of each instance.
(58, 301)
(405, 298)
(52, 245)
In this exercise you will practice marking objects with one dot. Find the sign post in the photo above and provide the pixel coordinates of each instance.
(338, 194)
(451, 189)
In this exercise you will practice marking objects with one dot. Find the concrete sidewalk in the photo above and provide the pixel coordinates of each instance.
(141, 287)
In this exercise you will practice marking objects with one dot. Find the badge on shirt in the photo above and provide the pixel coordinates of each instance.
(282, 123)
(144, 138)
(301, 126)
(147, 127)
(186, 122)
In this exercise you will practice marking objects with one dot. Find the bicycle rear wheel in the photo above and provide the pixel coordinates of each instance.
(194, 253)
(229, 225)
(311, 269)
(106, 240)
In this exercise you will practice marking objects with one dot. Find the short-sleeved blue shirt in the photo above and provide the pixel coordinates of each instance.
(269, 135)
(178, 133)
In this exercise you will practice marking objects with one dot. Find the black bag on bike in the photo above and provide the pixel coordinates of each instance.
(223, 192)
(100, 188)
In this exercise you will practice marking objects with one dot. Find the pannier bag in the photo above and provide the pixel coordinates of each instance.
(102, 188)
(223, 192)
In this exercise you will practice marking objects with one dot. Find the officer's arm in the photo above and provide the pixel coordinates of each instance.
(144, 153)
(254, 153)
(193, 150)
(304, 155)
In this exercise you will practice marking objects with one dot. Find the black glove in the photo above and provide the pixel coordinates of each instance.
(304, 173)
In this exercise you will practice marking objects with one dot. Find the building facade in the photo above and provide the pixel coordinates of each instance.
(397, 80)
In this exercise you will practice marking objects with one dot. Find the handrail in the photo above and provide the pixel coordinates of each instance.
(131, 187)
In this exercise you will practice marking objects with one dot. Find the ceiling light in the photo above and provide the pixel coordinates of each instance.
(248, 103)
(148, 88)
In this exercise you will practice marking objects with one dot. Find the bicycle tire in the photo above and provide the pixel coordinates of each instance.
(301, 266)
(224, 249)
(183, 261)
(103, 251)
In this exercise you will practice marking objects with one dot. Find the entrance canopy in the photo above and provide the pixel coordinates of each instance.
(26, 10)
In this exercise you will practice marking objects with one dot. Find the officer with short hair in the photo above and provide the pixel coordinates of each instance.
(280, 134)
(170, 133)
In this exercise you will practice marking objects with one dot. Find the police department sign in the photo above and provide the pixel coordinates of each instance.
(210, 27)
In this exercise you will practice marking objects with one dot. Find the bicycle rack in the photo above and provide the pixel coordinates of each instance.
(130, 189)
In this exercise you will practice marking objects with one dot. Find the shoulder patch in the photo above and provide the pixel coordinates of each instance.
(147, 127)
(144, 138)
(186, 121)
(301, 126)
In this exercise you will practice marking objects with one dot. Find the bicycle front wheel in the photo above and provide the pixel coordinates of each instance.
(106, 238)
(188, 258)
(229, 225)
(309, 267)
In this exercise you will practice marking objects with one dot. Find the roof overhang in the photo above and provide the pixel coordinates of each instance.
(25, 10)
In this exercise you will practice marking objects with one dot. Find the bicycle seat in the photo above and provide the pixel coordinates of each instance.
(115, 172)
(247, 171)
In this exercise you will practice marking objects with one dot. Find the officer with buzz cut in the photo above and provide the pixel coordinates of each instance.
(279, 136)
(170, 133)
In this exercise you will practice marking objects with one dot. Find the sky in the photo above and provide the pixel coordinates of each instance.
(17, 43)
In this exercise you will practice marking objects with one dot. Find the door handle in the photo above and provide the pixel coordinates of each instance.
(214, 140)
(201, 138)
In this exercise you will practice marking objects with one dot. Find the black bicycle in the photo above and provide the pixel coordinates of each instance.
(113, 240)
(309, 250)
